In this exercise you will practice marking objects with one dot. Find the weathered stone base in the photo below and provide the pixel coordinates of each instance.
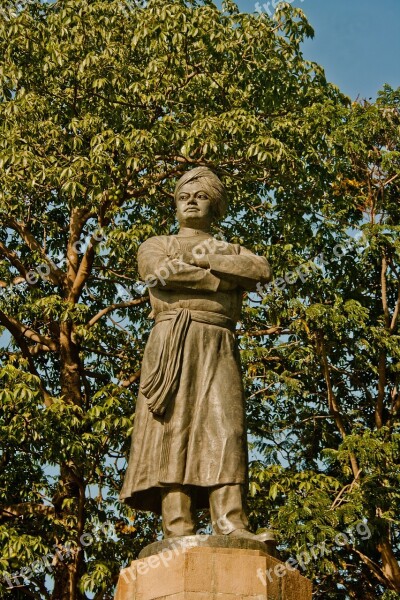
(211, 573)
(210, 541)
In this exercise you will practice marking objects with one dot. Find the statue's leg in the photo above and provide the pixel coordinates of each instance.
(178, 511)
(228, 514)
(227, 509)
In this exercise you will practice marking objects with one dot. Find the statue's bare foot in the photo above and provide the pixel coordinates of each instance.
(266, 536)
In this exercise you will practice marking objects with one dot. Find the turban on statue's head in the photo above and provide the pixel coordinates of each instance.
(212, 186)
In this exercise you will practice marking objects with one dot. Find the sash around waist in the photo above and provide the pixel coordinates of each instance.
(200, 316)
(163, 379)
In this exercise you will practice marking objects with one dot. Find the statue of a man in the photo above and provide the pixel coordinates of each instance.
(189, 447)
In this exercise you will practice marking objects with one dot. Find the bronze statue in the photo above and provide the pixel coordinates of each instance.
(189, 447)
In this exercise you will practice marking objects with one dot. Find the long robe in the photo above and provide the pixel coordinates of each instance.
(198, 436)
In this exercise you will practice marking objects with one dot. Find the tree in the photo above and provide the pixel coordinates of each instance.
(102, 105)
(332, 386)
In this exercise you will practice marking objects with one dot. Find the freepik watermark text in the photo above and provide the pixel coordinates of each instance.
(315, 552)
(62, 552)
(272, 6)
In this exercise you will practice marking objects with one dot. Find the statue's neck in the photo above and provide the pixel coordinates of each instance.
(191, 232)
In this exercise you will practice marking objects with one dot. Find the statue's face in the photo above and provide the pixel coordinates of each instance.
(193, 206)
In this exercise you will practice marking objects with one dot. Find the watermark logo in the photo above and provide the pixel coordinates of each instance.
(272, 6)
(62, 552)
(314, 553)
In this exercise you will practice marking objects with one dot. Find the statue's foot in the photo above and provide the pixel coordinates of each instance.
(266, 536)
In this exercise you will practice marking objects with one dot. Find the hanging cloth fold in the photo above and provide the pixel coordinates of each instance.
(163, 380)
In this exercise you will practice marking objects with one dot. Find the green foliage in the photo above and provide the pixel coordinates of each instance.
(102, 105)
(329, 384)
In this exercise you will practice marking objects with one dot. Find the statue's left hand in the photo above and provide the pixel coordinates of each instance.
(197, 261)
(201, 262)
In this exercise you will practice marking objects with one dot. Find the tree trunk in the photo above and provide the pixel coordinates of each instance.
(390, 565)
(71, 484)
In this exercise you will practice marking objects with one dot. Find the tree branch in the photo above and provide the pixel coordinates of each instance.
(271, 331)
(15, 329)
(127, 382)
(347, 488)
(390, 565)
(113, 307)
(14, 259)
(15, 326)
(39, 349)
(384, 292)
(25, 508)
(382, 355)
(56, 275)
(396, 313)
(79, 217)
(101, 352)
(84, 271)
(381, 389)
(332, 402)
(375, 568)
(136, 193)
(390, 180)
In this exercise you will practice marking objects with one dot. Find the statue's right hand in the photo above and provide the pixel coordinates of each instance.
(186, 257)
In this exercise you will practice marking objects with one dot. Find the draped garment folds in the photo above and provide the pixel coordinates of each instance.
(189, 424)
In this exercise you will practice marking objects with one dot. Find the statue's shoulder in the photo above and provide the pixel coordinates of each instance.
(157, 242)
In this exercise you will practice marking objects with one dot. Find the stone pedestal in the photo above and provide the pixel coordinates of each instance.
(181, 571)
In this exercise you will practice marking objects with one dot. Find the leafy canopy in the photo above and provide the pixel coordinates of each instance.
(102, 105)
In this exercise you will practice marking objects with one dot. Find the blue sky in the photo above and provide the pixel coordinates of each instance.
(356, 41)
